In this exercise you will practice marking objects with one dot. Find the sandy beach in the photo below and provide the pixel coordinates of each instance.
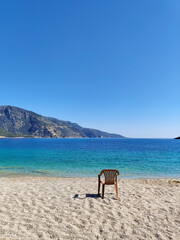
(59, 208)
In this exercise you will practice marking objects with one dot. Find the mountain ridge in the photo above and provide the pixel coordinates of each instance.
(19, 122)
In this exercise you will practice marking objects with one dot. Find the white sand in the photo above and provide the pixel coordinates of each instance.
(56, 208)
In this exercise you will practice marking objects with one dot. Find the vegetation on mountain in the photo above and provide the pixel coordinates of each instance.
(18, 122)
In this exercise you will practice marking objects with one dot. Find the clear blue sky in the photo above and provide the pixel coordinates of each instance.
(110, 65)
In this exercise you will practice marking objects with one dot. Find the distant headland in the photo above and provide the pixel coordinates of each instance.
(177, 138)
(20, 123)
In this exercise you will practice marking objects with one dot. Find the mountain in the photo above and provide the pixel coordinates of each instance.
(18, 122)
(177, 138)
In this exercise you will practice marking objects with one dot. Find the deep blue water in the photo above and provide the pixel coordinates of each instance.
(134, 158)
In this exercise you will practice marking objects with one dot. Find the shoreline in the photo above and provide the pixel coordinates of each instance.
(48, 174)
(52, 174)
(13, 175)
(79, 177)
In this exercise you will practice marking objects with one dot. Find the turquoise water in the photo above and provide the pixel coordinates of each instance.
(134, 158)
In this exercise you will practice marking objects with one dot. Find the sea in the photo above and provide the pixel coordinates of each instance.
(134, 158)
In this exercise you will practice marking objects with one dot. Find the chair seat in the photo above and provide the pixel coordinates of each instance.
(102, 181)
(107, 183)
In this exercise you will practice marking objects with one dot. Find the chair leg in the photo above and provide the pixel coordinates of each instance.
(103, 187)
(99, 187)
(115, 184)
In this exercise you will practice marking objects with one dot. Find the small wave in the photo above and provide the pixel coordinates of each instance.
(10, 168)
(41, 171)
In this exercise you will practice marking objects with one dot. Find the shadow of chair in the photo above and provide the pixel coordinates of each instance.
(92, 195)
(88, 195)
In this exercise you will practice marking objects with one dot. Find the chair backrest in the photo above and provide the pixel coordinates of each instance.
(110, 175)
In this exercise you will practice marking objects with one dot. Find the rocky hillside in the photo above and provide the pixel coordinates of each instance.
(18, 122)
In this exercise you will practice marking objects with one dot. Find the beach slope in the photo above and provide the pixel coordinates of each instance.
(58, 208)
